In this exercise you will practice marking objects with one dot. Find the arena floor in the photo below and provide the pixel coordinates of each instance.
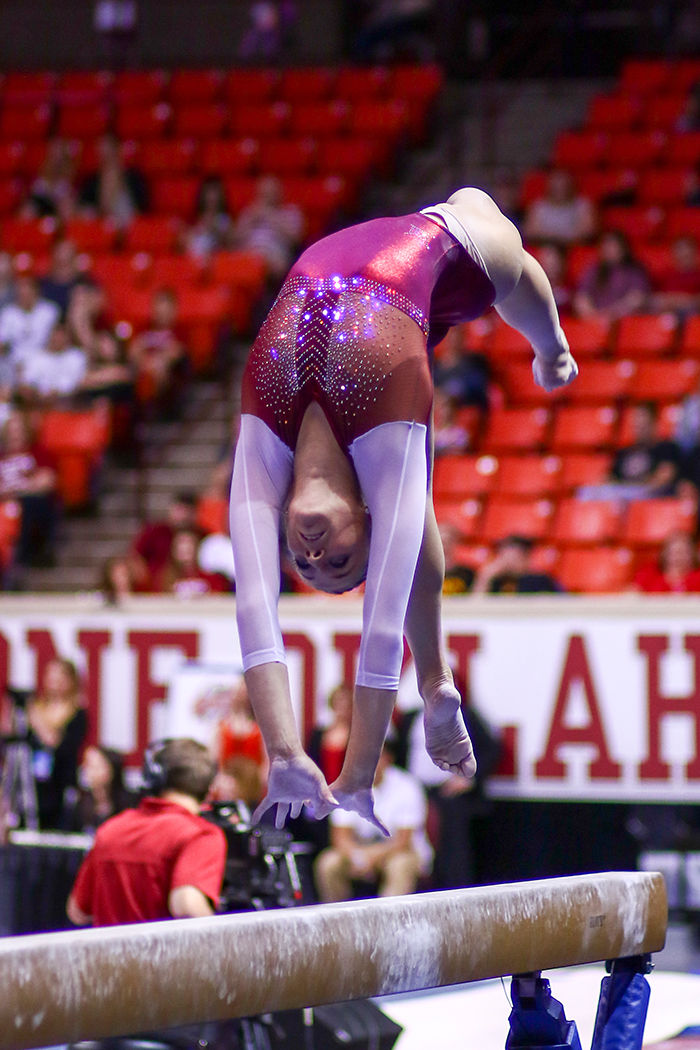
(475, 1016)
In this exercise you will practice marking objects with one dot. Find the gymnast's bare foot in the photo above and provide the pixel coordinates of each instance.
(359, 801)
(293, 783)
(446, 737)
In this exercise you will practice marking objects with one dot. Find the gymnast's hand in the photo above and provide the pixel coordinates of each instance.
(361, 802)
(293, 783)
(561, 371)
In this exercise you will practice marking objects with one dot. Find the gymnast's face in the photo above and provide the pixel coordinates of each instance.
(330, 545)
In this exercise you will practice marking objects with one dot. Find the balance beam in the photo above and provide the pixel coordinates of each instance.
(95, 983)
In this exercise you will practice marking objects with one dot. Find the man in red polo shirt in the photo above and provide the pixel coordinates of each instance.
(161, 860)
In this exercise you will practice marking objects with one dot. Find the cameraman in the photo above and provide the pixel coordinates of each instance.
(161, 860)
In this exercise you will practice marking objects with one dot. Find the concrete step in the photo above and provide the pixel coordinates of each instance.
(75, 552)
(62, 579)
(203, 454)
(106, 527)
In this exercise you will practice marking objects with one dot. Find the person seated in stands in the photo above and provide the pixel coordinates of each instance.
(270, 227)
(52, 374)
(159, 357)
(689, 118)
(238, 745)
(328, 743)
(150, 549)
(450, 435)
(359, 852)
(212, 230)
(25, 325)
(616, 283)
(510, 571)
(552, 258)
(108, 375)
(7, 279)
(118, 580)
(648, 468)
(675, 571)
(182, 574)
(52, 193)
(113, 191)
(102, 792)
(506, 191)
(57, 729)
(561, 215)
(677, 288)
(462, 375)
(63, 276)
(459, 576)
(28, 475)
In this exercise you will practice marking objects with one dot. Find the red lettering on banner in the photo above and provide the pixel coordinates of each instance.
(653, 647)
(44, 648)
(577, 672)
(92, 643)
(147, 690)
(348, 645)
(4, 663)
(306, 648)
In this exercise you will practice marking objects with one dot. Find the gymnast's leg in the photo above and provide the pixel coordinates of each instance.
(446, 738)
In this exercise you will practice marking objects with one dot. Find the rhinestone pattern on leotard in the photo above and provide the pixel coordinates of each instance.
(362, 285)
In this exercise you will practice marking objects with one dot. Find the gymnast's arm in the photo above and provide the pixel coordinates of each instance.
(261, 476)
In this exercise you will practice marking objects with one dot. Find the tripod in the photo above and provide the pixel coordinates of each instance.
(17, 784)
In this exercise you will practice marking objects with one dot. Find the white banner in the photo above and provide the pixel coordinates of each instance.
(595, 698)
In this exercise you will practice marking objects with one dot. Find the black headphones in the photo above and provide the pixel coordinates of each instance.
(153, 773)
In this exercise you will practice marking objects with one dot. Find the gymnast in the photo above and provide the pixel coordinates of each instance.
(335, 452)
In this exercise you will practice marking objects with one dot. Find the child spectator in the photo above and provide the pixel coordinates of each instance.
(159, 358)
(212, 229)
(561, 215)
(674, 572)
(616, 284)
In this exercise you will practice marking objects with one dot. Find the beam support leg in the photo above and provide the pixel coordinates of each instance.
(537, 1018)
(623, 1003)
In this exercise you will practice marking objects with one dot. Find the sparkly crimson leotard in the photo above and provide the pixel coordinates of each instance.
(349, 330)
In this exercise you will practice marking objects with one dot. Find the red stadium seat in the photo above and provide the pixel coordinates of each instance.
(602, 382)
(607, 186)
(684, 149)
(663, 186)
(250, 85)
(586, 522)
(11, 194)
(350, 156)
(645, 335)
(607, 570)
(577, 428)
(411, 81)
(681, 221)
(516, 430)
(76, 440)
(175, 271)
(690, 338)
(91, 235)
(83, 87)
(458, 477)
(581, 258)
(25, 122)
(649, 522)
(168, 157)
(321, 119)
(535, 476)
(578, 469)
(151, 233)
(238, 268)
(205, 120)
(636, 149)
(613, 112)
(521, 390)
(27, 235)
(176, 195)
(260, 120)
(507, 517)
(11, 158)
(635, 221)
(580, 149)
(194, 86)
(228, 156)
(306, 85)
(655, 258)
(239, 191)
(142, 122)
(385, 119)
(508, 342)
(662, 111)
(666, 424)
(139, 87)
(588, 336)
(287, 156)
(664, 380)
(121, 272)
(359, 83)
(28, 89)
(212, 515)
(685, 72)
(82, 122)
(645, 75)
(10, 521)
(464, 515)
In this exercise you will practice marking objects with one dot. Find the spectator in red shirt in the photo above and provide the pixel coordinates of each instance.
(678, 286)
(27, 475)
(182, 575)
(676, 570)
(161, 860)
(150, 550)
(159, 357)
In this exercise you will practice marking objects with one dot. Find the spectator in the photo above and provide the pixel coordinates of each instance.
(553, 260)
(53, 373)
(459, 577)
(27, 475)
(108, 374)
(57, 728)
(117, 580)
(678, 286)
(689, 119)
(182, 575)
(24, 327)
(647, 468)
(63, 275)
(159, 358)
(150, 550)
(113, 191)
(506, 193)
(510, 571)
(7, 280)
(239, 749)
(674, 572)
(687, 433)
(450, 435)
(462, 375)
(161, 860)
(52, 193)
(359, 851)
(88, 314)
(270, 227)
(327, 744)
(102, 792)
(212, 229)
(616, 284)
(561, 215)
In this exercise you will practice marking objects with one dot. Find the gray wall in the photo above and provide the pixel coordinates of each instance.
(59, 34)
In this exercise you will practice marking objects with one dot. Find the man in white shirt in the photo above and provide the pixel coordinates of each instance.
(54, 371)
(24, 327)
(359, 851)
